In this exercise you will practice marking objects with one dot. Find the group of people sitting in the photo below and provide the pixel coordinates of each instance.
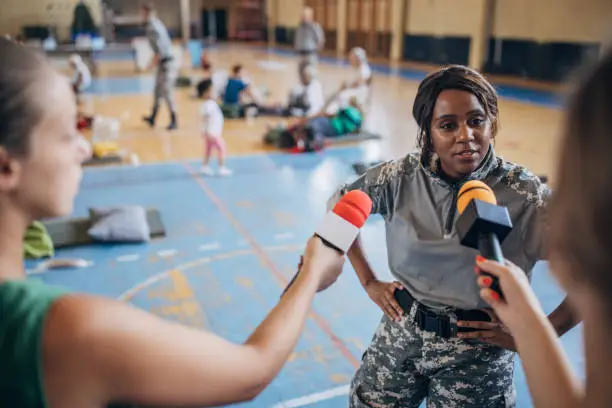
(316, 118)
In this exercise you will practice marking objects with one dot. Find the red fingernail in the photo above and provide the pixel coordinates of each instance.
(487, 281)
(480, 259)
(495, 296)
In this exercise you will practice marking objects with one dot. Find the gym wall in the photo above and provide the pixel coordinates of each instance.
(547, 39)
(219, 8)
(169, 12)
(15, 14)
(287, 19)
(440, 31)
(535, 39)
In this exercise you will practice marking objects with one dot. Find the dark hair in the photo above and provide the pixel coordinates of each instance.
(450, 77)
(580, 214)
(19, 114)
(237, 68)
(203, 87)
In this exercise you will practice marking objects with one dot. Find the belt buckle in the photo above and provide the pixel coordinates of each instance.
(432, 322)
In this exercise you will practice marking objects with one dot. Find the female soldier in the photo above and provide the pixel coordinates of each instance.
(415, 352)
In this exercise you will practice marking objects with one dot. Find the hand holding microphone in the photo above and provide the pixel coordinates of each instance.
(334, 237)
(483, 225)
(520, 309)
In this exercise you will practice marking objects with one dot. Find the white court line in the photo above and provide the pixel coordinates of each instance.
(128, 294)
(128, 258)
(209, 247)
(165, 253)
(285, 235)
(316, 397)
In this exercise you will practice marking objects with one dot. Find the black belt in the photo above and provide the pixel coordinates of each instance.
(304, 52)
(444, 325)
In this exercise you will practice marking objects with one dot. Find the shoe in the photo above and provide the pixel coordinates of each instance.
(224, 171)
(172, 124)
(206, 170)
(149, 120)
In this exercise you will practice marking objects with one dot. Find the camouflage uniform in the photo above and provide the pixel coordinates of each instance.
(405, 364)
(166, 74)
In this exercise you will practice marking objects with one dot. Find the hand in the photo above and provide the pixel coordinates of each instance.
(326, 263)
(382, 294)
(153, 63)
(492, 332)
(520, 306)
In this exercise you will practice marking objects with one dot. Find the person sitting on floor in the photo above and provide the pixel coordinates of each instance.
(306, 99)
(237, 87)
(309, 134)
(218, 78)
(359, 85)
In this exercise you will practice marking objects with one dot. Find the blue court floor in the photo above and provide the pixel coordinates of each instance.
(232, 244)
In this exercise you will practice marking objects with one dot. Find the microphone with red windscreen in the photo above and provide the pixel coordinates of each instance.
(482, 224)
(341, 225)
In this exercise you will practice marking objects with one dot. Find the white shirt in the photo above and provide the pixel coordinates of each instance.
(364, 72)
(219, 80)
(212, 119)
(314, 95)
(83, 71)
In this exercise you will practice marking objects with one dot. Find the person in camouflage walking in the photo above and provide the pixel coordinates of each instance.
(167, 68)
(436, 340)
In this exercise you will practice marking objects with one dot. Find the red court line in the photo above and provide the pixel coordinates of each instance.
(263, 257)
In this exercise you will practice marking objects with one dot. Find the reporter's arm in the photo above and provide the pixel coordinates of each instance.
(128, 355)
(550, 378)
(549, 375)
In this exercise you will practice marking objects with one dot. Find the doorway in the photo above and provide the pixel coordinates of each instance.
(214, 24)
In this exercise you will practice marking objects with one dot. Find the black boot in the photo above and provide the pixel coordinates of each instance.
(172, 124)
(151, 119)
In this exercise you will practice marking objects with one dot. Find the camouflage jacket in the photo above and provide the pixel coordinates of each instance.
(419, 211)
(158, 37)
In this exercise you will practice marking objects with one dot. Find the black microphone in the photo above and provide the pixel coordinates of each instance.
(482, 224)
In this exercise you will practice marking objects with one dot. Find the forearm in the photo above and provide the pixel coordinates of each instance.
(360, 263)
(563, 318)
(277, 335)
(549, 376)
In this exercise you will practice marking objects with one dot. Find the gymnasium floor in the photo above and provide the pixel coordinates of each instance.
(233, 243)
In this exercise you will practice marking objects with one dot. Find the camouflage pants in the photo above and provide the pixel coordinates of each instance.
(165, 78)
(404, 365)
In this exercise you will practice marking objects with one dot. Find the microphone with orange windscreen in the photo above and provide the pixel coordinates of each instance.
(341, 225)
(482, 224)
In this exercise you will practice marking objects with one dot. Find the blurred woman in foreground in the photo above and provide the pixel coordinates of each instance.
(580, 258)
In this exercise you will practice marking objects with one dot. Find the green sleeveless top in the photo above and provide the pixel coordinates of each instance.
(24, 305)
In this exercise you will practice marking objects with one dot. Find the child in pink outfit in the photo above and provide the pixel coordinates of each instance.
(212, 129)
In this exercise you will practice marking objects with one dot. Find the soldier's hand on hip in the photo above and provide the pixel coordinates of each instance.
(382, 293)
